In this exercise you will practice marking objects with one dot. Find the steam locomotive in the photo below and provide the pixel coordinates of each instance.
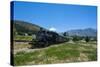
(46, 38)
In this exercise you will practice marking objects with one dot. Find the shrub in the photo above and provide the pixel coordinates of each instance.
(76, 38)
(87, 39)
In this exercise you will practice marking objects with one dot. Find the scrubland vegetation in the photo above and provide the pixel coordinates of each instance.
(58, 53)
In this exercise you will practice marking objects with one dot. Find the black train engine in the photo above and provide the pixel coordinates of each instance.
(46, 38)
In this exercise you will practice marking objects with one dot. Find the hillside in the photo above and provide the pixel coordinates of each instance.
(22, 27)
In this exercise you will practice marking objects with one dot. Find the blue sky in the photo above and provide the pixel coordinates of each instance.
(61, 17)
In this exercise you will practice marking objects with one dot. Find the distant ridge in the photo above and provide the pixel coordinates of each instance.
(83, 32)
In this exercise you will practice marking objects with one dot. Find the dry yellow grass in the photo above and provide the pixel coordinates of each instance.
(58, 53)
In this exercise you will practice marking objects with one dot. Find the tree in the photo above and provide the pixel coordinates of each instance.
(64, 34)
(14, 32)
(76, 38)
(87, 39)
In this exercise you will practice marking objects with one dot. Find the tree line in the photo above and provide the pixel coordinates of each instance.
(76, 38)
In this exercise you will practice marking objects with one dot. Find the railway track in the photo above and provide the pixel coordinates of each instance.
(22, 42)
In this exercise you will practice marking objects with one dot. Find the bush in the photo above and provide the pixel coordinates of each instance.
(76, 38)
(87, 39)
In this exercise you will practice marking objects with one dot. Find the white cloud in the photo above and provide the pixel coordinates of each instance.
(52, 29)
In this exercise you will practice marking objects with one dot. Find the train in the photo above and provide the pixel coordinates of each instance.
(46, 38)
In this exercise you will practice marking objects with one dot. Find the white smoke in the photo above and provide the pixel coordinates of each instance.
(52, 29)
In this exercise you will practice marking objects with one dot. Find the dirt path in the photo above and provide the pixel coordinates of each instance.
(34, 49)
(25, 49)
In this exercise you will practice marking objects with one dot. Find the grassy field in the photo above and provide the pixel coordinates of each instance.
(58, 53)
(18, 37)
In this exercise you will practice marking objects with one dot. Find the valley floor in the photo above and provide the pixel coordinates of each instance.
(58, 53)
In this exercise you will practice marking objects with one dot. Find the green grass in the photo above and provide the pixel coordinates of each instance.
(29, 38)
(23, 58)
(60, 53)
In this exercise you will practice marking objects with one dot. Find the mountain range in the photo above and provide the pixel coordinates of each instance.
(25, 27)
(83, 32)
